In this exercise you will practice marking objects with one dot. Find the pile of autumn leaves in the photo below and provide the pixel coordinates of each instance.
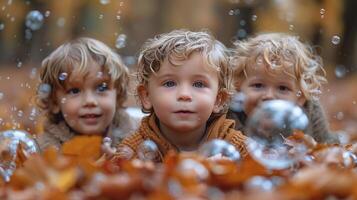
(327, 171)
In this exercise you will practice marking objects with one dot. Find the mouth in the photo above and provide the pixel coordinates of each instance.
(90, 116)
(184, 112)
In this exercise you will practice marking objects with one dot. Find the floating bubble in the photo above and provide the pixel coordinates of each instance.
(322, 11)
(219, 147)
(28, 34)
(101, 16)
(2, 26)
(260, 183)
(104, 2)
(339, 116)
(254, 18)
(1, 95)
(242, 33)
(63, 76)
(335, 40)
(44, 90)
(34, 20)
(242, 22)
(121, 41)
(340, 71)
(20, 113)
(291, 27)
(19, 64)
(237, 102)
(148, 151)
(299, 93)
(129, 60)
(268, 131)
(61, 22)
(231, 12)
(118, 17)
(192, 168)
(11, 142)
(47, 13)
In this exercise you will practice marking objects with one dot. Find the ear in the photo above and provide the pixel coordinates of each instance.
(222, 98)
(144, 97)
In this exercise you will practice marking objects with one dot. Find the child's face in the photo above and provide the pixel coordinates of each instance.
(183, 97)
(88, 103)
(261, 85)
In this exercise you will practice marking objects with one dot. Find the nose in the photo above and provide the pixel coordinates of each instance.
(89, 99)
(269, 94)
(184, 94)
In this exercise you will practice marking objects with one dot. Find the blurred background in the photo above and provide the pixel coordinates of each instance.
(30, 30)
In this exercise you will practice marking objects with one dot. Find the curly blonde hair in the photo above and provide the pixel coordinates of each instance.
(74, 57)
(178, 45)
(281, 51)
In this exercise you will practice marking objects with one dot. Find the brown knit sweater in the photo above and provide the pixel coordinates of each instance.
(220, 128)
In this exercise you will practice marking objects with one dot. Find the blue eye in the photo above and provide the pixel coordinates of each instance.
(169, 84)
(257, 85)
(74, 91)
(102, 87)
(198, 84)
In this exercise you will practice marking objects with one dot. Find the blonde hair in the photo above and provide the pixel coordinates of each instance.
(281, 51)
(74, 57)
(178, 45)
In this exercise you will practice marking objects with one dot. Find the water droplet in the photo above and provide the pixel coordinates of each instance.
(34, 20)
(322, 11)
(121, 41)
(335, 39)
(242, 22)
(148, 150)
(291, 27)
(63, 100)
(47, 13)
(20, 113)
(2, 26)
(340, 71)
(254, 18)
(299, 93)
(339, 116)
(63, 76)
(61, 22)
(104, 2)
(19, 64)
(231, 12)
(237, 102)
(99, 74)
(44, 90)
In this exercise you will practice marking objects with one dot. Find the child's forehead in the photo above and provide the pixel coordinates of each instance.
(270, 71)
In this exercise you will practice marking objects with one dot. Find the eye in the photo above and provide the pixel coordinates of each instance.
(198, 84)
(102, 87)
(257, 85)
(284, 88)
(73, 91)
(169, 84)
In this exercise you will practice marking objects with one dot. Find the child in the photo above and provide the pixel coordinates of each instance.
(279, 66)
(82, 90)
(184, 83)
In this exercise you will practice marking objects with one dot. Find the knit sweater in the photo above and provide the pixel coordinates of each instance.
(57, 134)
(220, 128)
(318, 125)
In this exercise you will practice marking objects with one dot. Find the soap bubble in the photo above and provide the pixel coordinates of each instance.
(10, 142)
(335, 39)
(121, 41)
(34, 20)
(269, 129)
(63, 76)
(104, 2)
(237, 102)
(217, 147)
(148, 151)
(44, 90)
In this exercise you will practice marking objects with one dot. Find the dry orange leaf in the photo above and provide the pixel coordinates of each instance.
(83, 146)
